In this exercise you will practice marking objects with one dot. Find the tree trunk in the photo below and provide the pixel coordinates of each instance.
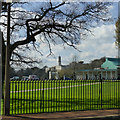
(3, 67)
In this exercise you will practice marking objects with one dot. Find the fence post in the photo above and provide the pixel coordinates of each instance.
(101, 90)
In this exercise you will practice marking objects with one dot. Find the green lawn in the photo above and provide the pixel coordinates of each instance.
(61, 95)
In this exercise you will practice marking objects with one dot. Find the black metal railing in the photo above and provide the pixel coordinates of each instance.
(38, 96)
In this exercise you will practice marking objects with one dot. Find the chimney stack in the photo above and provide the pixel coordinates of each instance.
(59, 60)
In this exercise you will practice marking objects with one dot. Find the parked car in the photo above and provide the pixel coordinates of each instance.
(25, 78)
(14, 78)
(33, 77)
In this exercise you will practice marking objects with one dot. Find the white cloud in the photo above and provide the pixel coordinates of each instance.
(97, 46)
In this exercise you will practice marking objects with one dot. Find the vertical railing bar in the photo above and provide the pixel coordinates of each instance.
(73, 92)
(101, 92)
(24, 97)
(15, 97)
(46, 101)
(61, 93)
(93, 96)
(78, 102)
(98, 106)
(21, 97)
(43, 96)
(12, 94)
(48, 94)
(69, 96)
(38, 96)
(10, 100)
(51, 93)
(35, 97)
(117, 97)
(76, 93)
(85, 92)
(81, 94)
(114, 93)
(108, 94)
(29, 95)
(64, 94)
(56, 94)
(32, 95)
(26, 88)
(59, 96)
(14, 108)
(18, 97)
(90, 94)
(118, 93)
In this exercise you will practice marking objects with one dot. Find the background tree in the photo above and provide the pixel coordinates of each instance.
(66, 21)
(117, 31)
(68, 73)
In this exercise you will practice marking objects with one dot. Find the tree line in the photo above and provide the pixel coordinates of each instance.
(40, 72)
(71, 69)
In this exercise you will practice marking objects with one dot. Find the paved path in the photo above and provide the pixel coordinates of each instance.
(113, 114)
(53, 88)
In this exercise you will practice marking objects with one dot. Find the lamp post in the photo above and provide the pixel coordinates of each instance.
(7, 67)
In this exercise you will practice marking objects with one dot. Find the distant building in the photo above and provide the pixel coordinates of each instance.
(53, 72)
(110, 69)
(111, 63)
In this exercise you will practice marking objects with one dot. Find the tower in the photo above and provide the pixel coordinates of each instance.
(59, 60)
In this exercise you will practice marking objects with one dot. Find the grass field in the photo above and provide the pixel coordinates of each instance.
(63, 95)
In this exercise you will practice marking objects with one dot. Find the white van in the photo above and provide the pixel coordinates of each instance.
(33, 77)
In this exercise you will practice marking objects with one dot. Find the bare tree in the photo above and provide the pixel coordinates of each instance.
(55, 22)
(117, 31)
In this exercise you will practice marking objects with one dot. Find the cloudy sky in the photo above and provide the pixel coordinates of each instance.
(101, 43)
